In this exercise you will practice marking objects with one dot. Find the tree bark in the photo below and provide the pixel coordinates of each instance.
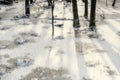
(86, 9)
(52, 10)
(83, 1)
(49, 2)
(31, 1)
(76, 23)
(92, 25)
(114, 3)
(27, 8)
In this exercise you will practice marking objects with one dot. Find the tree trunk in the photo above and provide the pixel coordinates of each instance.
(106, 3)
(49, 2)
(76, 23)
(86, 9)
(83, 1)
(6, 1)
(31, 1)
(52, 10)
(92, 25)
(114, 3)
(27, 8)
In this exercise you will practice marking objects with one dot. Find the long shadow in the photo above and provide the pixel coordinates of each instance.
(110, 55)
(47, 62)
(114, 57)
(80, 58)
(67, 19)
(111, 26)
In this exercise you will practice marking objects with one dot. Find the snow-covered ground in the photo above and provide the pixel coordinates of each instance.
(28, 52)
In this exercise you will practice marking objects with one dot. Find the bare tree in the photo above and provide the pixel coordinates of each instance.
(49, 2)
(106, 3)
(113, 4)
(92, 25)
(76, 23)
(86, 9)
(83, 1)
(27, 8)
(31, 1)
(52, 4)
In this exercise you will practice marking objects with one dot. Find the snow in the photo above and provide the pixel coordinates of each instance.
(85, 55)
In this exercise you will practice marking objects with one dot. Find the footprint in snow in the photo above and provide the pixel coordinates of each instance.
(59, 25)
(5, 69)
(118, 33)
(29, 34)
(59, 52)
(111, 72)
(92, 64)
(2, 71)
(4, 27)
(7, 44)
(3, 46)
(84, 78)
(21, 61)
(20, 40)
(93, 35)
(59, 38)
(23, 39)
(99, 50)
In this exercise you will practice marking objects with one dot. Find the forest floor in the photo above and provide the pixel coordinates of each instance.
(28, 52)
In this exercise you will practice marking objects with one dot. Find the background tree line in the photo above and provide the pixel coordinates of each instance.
(76, 22)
